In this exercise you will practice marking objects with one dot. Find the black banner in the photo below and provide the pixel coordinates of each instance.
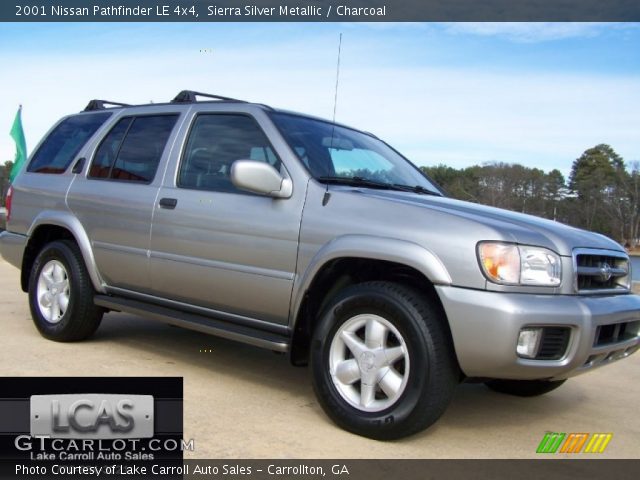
(334, 470)
(320, 11)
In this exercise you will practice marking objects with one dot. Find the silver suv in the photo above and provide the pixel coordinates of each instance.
(304, 236)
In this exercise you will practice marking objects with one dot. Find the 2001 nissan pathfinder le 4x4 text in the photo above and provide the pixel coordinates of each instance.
(303, 236)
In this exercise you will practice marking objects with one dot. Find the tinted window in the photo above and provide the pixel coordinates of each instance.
(108, 150)
(215, 142)
(65, 141)
(333, 152)
(132, 149)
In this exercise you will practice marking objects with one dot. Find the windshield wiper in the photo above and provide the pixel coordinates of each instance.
(365, 182)
(415, 189)
(357, 182)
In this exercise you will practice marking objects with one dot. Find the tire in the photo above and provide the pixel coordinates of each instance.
(400, 397)
(524, 388)
(61, 294)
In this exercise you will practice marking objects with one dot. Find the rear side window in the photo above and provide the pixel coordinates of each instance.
(108, 150)
(131, 151)
(59, 149)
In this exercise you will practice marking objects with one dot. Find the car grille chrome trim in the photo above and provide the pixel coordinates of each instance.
(601, 271)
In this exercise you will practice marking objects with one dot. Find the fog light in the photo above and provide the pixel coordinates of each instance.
(528, 342)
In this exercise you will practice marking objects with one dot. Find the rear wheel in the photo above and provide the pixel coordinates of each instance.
(61, 294)
(524, 388)
(382, 361)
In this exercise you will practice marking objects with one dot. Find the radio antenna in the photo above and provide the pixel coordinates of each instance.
(327, 195)
(335, 96)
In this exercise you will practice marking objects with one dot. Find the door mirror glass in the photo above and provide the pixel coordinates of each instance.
(260, 177)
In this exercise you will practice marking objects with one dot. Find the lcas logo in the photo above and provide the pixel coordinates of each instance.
(98, 416)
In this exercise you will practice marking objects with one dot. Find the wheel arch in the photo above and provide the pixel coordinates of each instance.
(49, 226)
(355, 259)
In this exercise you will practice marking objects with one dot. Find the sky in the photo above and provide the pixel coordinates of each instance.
(459, 94)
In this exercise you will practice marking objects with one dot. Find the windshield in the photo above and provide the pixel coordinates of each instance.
(335, 154)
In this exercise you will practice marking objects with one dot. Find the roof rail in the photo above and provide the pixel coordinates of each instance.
(101, 105)
(189, 96)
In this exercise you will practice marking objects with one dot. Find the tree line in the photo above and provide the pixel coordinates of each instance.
(601, 194)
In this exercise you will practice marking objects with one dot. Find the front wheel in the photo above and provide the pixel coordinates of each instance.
(524, 388)
(382, 361)
(61, 294)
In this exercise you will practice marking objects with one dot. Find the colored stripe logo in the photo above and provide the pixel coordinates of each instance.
(598, 442)
(550, 442)
(553, 442)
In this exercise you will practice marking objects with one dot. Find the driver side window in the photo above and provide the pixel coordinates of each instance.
(215, 142)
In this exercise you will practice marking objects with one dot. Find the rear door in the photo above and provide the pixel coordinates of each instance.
(114, 197)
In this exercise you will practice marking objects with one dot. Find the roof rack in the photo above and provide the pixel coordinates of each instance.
(189, 96)
(101, 105)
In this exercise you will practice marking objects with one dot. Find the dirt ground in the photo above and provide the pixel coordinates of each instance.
(244, 402)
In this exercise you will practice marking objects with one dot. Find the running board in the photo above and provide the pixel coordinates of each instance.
(199, 323)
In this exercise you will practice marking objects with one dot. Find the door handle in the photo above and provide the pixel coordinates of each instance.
(169, 203)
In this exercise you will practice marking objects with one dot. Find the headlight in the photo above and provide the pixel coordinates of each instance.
(510, 264)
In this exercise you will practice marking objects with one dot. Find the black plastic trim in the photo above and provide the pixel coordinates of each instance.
(102, 104)
(200, 323)
(189, 96)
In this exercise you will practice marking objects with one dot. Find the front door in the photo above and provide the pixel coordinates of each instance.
(215, 246)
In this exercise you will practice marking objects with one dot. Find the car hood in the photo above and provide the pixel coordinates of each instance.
(512, 226)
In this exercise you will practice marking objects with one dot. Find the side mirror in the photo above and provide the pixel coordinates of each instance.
(260, 177)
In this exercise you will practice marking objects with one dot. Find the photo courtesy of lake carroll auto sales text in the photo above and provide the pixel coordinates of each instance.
(328, 239)
(186, 470)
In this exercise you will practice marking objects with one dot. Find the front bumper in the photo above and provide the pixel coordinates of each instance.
(485, 327)
(12, 247)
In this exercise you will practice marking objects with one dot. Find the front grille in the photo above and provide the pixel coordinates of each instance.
(601, 270)
(603, 358)
(615, 333)
(553, 344)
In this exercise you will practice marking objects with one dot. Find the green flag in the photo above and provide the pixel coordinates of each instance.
(21, 145)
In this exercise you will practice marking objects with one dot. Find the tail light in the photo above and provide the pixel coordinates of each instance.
(7, 202)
